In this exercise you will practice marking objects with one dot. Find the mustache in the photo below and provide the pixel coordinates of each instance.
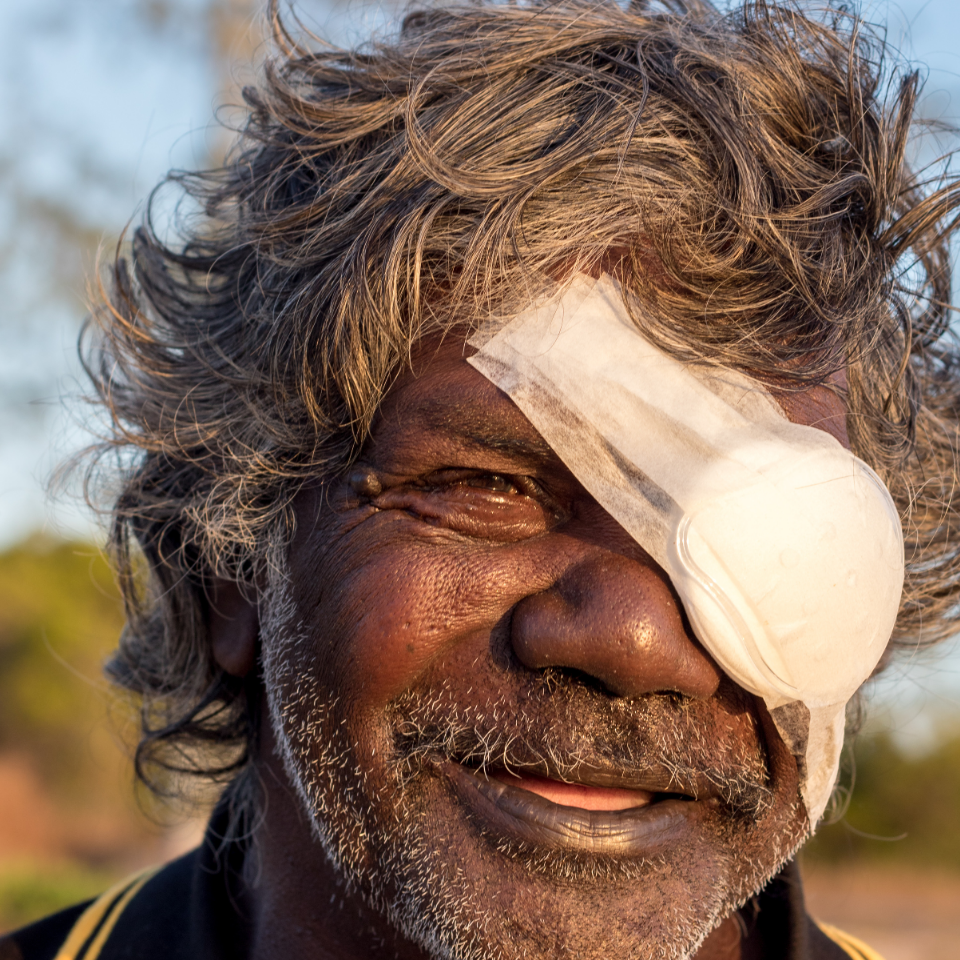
(563, 729)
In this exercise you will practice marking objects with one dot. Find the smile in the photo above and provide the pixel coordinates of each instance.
(584, 796)
(580, 817)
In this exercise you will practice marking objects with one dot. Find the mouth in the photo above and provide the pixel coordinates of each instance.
(602, 814)
(582, 796)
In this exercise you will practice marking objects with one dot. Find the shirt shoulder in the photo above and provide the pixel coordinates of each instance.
(142, 916)
(41, 940)
(850, 945)
(77, 933)
(190, 909)
(781, 929)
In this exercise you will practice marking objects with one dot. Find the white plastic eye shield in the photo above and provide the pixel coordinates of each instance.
(785, 549)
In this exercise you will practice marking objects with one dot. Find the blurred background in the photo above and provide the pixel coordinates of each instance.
(98, 99)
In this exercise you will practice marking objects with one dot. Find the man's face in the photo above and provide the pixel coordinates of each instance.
(492, 705)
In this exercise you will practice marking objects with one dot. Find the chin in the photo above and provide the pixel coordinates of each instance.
(471, 890)
(467, 878)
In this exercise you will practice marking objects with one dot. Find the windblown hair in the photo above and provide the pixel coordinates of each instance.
(746, 171)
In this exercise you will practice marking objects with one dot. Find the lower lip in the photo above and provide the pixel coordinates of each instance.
(637, 831)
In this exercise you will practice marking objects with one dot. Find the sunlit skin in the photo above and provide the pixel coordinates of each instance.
(461, 557)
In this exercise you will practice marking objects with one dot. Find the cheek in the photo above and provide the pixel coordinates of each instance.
(397, 598)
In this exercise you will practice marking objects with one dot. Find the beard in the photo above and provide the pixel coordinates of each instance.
(387, 822)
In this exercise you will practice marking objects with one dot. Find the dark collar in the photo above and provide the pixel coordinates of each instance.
(194, 909)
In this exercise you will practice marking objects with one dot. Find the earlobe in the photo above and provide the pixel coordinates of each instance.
(234, 622)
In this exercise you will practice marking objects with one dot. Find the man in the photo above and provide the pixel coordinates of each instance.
(499, 442)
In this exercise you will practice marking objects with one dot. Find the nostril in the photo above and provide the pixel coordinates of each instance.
(555, 678)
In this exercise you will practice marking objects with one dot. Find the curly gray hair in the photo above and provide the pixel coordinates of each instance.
(746, 170)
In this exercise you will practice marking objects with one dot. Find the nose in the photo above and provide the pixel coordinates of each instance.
(614, 618)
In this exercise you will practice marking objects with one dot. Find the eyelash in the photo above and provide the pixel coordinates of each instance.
(520, 485)
(496, 482)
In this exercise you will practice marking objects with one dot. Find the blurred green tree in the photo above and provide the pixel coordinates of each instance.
(903, 808)
(60, 614)
(70, 820)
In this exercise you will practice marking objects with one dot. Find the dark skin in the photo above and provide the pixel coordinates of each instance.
(460, 563)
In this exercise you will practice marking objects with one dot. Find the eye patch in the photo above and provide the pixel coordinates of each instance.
(785, 548)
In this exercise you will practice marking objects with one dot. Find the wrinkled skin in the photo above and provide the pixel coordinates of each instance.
(488, 701)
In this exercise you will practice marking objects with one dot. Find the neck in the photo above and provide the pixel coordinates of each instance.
(725, 943)
(301, 907)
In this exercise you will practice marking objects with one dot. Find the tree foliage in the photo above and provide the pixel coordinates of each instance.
(903, 808)
(60, 614)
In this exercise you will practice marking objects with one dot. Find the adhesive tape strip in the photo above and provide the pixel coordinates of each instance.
(785, 548)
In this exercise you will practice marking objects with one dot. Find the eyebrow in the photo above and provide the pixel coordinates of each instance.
(472, 424)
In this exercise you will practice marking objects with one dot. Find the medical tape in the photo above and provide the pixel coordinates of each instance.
(785, 549)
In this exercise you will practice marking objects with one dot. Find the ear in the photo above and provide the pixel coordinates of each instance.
(234, 622)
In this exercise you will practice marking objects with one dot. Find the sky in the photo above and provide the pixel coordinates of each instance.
(98, 99)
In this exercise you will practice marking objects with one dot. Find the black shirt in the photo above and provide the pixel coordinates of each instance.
(189, 910)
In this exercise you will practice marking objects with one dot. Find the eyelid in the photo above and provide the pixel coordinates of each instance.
(527, 486)
(454, 476)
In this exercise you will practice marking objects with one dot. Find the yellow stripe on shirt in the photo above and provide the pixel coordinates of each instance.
(853, 947)
(101, 917)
